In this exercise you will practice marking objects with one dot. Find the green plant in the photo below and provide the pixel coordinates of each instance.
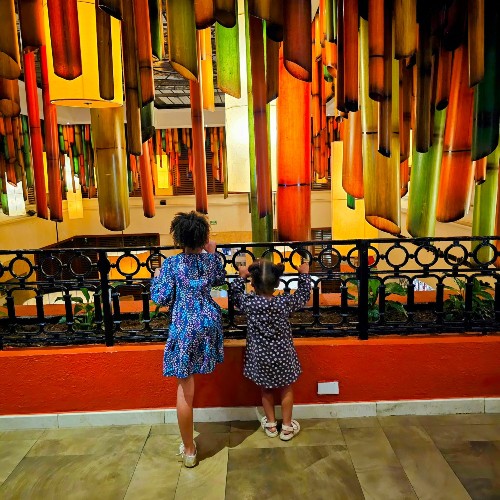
(84, 311)
(391, 306)
(482, 300)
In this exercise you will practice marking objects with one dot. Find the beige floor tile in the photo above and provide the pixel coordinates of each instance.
(319, 472)
(164, 429)
(464, 419)
(71, 477)
(89, 445)
(157, 471)
(319, 423)
(378, 469)
(448, 437)
(429, 473)
(354, 423)
(97, 432)
(403, 420)
(306, 437)
(11, 453)
(212, 427)
(21, 435)
(207, 480)
(244, 425)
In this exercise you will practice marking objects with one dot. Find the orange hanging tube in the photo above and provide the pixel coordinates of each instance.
(51, 143)
(297, 29)
(65, 36)
(294, 157)
(457, 174)
(147, 191)
(199, 156)
(207, 70)
(35, 134)
(351, 62)
(352, 165)
(144, 51)
(376, 48)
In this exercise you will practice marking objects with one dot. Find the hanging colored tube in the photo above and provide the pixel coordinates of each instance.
(204, 13)
(479, 167)
(424, 181)
(339, 89)
(28, 165)
(405, 28)
(262, 227)
(296, 39)
(381, 175)
(405, 92)
(206, 68)
(270, 11)
(454, 28)
(182, 38)
(199, 156)
(444, 64)
(376, 47)
(351, 63)
(352, 165)
(486, 115)
(485, 201)
(111, 167)
(272, 68)
(35, 134)
(424, 86)
(10, 104)
(105, 55)
(112, 7)
(146, 175)
(31, 23)
(51, 143)
(10, 65)
(457, 174)
(226, 12)
(147, 121)
(476, 39)
(156, 27)
(144, 51)
(385, 106)
(228, 60)
(262, 160)
(131, 75)
(65, 36)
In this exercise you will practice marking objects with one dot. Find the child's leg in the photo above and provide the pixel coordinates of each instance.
(287, 404)
(268, 404)
(185, 395)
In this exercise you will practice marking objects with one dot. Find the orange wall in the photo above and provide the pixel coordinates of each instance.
(54, 380)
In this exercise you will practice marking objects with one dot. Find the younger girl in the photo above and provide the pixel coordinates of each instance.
(270, 357)
(195, 342)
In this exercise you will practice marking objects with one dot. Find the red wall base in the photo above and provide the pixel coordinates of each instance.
(57, 380)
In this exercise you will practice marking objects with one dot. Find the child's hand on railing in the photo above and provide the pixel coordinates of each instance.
(243, 272)
(303, 268)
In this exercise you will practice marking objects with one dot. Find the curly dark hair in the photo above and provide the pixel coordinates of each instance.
(265, 275)
(190, 229)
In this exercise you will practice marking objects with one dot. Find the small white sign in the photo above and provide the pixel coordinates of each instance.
(328, 387)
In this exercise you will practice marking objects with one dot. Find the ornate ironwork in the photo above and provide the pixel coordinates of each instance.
(377, 290)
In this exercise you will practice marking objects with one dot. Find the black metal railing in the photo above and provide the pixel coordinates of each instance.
(360, 287)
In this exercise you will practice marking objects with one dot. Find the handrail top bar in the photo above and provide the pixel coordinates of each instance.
(292, 244)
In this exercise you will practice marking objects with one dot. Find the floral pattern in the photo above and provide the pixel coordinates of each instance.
(195, 342)
(270, 357)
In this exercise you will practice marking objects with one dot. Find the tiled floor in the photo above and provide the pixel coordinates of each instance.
(432, 457)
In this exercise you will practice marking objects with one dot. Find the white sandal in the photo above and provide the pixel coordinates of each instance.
(188, 460)
(269, 425)
(289, 431)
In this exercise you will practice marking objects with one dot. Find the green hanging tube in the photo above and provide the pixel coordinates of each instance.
(147, 121)
(228, 60)
(485, 200)
(262, 227)
(424, 182)
(156, 27)
(486, 115)
(28, 166)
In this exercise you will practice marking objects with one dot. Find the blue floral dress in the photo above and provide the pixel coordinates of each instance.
(195, 342)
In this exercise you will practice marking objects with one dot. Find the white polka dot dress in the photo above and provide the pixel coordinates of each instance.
(270, 357)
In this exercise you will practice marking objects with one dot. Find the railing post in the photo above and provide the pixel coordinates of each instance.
(363, 275)
(104, 267)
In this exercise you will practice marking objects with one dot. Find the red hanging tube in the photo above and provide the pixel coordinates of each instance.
(147, 192)
(35, 134)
